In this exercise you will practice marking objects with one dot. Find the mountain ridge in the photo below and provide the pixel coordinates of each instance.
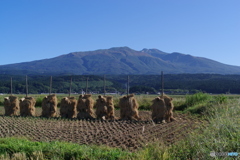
(120, 60)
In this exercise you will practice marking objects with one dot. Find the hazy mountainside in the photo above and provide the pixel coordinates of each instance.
(120, 60)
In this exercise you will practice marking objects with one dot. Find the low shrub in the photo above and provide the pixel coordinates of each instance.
(221, 99)
(39, 102)
(197, 109)
(181, 107)
(197, 98)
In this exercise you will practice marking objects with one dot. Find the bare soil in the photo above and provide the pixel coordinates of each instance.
(124, 134)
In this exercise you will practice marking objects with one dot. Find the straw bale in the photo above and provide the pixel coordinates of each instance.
(129, 107)
(85, 107)
(159, 110)
(27, 106)
(49, 106)
(105, 107)
(170, 106)
(68, 107)
(110, 108)
(11, 106)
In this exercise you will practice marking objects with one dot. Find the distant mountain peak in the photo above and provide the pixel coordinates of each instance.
(121, 48)
(120, 60)
(153, 51)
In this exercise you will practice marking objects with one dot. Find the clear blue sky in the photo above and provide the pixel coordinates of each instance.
(38, 29)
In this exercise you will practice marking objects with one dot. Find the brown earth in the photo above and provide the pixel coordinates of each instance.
(116, 133)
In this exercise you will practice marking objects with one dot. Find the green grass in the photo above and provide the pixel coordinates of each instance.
(10, 147)
(222, 134)
(200, 102)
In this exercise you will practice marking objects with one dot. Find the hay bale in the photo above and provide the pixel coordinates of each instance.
(85, 107)
(27, 106)
(110, 108)
(105, 107)
(49, 106)
(68, 107)
(169, 105)
(159, 110)
(129, 108)
(11, 106)
(101, 107)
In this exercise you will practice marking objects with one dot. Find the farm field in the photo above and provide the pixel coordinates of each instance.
(131, 136)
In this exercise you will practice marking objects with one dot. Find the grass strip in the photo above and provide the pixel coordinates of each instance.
(59, 150)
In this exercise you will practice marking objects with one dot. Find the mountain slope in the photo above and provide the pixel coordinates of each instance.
(120, 60)
(190, 64)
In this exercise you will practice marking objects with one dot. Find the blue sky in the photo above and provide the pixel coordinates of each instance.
(39, 29)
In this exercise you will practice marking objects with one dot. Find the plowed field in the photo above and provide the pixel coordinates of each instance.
(124, 134)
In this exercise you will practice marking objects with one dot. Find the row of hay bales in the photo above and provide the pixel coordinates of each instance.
(83, 108)
(26, 106)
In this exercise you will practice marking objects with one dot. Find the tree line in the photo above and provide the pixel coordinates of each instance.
(173, 83)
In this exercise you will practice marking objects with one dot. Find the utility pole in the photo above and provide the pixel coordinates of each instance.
(162, 80)
(127, 85)
(70, 87)
(26, 86)
(11, 86)
(86, 86)
(50, 88)
(104, 85)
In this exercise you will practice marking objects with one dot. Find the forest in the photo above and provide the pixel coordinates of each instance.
(138, 84)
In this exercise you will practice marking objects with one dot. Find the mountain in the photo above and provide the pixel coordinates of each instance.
(120, 60)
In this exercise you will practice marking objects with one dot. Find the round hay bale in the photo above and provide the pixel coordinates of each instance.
(11, 106)
(105, 107)
(159, 110)
(129, 108)
(68, 107)
(49, 106)
(27, 106)
(85, 107)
